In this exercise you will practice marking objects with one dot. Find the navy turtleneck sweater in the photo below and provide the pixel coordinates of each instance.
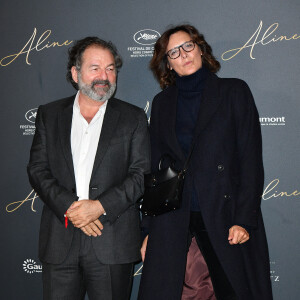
(190, 89)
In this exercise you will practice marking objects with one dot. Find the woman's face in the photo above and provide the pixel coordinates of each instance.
(188, 62)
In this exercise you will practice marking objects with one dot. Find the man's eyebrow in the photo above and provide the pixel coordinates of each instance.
(94, 65)
(112, 64)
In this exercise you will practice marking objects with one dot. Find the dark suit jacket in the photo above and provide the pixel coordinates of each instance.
(226, 171)
(117, 179)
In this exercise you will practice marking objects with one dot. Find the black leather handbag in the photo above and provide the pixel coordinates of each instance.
(163, 190)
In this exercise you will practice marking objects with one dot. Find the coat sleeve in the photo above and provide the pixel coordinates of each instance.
(55, 196)
(155, 135)
(118, 198)
(249, 153)
(155, 154)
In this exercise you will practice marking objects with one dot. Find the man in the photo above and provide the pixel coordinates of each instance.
(93, 148)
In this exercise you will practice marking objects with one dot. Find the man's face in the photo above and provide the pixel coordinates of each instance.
(97, 76)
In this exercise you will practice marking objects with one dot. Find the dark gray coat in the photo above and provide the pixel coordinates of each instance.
(227, 171)
(121, 160)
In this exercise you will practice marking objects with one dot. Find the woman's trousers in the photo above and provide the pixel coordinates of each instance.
(205, 278)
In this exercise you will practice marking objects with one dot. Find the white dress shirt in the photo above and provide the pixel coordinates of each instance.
(84, 143)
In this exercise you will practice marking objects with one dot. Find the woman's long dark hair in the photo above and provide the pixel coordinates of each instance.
(159, 61)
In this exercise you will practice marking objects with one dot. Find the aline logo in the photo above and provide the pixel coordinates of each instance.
(30, 266)
(30, 116)
(146, 37)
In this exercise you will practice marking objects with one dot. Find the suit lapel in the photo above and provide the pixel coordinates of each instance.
(64, 130)
(108, 127)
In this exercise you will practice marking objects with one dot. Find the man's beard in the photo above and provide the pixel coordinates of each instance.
(97, 94)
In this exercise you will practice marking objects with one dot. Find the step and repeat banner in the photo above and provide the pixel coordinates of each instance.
(257, 41)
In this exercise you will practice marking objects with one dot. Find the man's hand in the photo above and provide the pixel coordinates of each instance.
(144, 247)
(93, 229)
(237, 235)
(83, 212)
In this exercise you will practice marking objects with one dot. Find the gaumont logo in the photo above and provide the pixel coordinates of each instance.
(31, 115)
(272, 121)
(146, 37)
(30, 266)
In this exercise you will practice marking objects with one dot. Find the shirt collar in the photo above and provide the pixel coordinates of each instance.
(77, 107)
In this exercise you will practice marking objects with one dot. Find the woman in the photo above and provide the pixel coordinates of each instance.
(220, 212)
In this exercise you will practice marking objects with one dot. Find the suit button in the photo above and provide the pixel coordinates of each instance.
(220, 168)
(73, 190)
(227, 196)
(93, 188)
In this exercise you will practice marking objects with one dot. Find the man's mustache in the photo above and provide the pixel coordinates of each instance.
(102, 82)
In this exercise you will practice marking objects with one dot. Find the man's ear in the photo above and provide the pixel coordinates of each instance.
(74, 73)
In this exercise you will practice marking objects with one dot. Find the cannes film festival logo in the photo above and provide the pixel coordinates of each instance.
(30, 116)
(146, 37)
(30, 266)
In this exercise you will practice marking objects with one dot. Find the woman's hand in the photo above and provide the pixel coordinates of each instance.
(237, 235)
(144, 246)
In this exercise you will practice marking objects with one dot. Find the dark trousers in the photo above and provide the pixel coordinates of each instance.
(82, 273)
(222, 287)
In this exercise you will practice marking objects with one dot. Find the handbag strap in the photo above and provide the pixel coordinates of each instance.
(186, 164)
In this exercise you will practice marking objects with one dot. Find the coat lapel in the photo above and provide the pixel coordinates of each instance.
(170, 118)
(64, 130)
(108, 127)
(210, 103)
